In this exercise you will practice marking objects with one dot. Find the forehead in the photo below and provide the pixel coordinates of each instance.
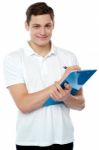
(41, 19)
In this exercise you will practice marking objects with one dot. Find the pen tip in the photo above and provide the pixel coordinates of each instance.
(65, 67)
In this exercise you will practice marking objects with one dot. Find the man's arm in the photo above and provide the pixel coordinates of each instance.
(75, 102)
(28, 102)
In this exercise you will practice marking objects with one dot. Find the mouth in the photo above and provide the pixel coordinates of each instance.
(42, 37)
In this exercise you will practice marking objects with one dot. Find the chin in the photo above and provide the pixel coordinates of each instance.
(43, 43)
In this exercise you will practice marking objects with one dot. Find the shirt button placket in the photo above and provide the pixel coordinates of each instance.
(44, 71)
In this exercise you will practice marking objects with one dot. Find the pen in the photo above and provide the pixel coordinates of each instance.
(64, 67)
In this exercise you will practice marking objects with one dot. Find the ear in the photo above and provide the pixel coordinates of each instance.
(26, 26)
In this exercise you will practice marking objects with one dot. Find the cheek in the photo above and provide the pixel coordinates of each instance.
(49, 32)
(33, 33)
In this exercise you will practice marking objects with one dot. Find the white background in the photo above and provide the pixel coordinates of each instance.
(76, 29)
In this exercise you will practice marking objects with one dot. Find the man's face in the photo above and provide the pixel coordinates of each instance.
(40, 28)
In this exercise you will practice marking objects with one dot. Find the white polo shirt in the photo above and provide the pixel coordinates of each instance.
(47, 125)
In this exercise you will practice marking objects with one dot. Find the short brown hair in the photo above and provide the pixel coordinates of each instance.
(39, 8)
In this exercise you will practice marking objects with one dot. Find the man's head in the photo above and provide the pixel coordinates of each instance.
(39, 8)
(40, 23)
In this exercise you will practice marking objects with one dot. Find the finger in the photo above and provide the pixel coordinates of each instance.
(67, 86)
(75, 67)
(53, 96)
(58, 87)
(61, 91)
(68, 70)
(71, 68)
(56, 94)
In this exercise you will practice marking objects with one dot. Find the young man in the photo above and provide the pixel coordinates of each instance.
(33, 74)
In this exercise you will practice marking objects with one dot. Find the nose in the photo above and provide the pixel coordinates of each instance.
(42, 31)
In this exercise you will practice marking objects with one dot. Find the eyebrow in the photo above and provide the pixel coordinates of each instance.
(37, 24)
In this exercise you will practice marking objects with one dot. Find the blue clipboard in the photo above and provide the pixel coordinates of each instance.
(76, 79)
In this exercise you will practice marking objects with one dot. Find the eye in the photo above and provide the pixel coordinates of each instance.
(35, 26)
(48, 26)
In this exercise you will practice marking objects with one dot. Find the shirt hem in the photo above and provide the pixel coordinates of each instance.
(31, 143)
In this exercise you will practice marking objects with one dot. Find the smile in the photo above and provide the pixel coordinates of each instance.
(42, 37)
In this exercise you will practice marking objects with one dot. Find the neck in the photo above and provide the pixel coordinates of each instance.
(41, 50)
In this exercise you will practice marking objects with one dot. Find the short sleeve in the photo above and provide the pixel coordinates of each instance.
(12, 70)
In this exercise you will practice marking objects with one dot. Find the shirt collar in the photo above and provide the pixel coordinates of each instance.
(29, 51)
